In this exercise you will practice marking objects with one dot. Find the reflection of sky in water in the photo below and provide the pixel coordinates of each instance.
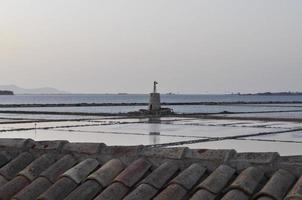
(109, 139)
(292, 136)
(166, 130)
(177, 130)
(292, 115)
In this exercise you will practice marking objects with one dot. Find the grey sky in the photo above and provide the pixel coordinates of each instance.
(189, 46)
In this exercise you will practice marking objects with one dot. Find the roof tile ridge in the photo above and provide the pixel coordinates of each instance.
(16, 144)
(224, 173)
(278, 186)
(243, 160)
(189, 177)
(247, 181)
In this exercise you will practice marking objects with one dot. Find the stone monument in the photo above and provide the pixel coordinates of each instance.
(154, 100)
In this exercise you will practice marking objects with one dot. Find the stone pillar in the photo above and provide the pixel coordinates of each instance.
(154, 102)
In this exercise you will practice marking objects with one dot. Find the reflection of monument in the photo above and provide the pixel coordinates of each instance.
(154, 101)
(154, 130)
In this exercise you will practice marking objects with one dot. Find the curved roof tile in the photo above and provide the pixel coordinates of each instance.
(46, 172)
(218, 180)
(278, 185)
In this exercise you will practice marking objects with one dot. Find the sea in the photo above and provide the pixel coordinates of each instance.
(293, 109)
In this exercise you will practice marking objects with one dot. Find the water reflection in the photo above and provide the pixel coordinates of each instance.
(154, 130)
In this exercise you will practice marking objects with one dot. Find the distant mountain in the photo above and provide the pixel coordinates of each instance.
(6, 92)
(42, 90)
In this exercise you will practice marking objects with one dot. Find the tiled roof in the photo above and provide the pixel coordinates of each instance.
(55, 170)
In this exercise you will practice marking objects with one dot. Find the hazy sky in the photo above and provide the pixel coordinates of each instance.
(188, 46)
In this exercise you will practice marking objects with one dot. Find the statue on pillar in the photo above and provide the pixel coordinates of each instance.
(154, 86)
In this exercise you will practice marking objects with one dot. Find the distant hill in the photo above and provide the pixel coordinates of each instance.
(6, 92)
(20, 90)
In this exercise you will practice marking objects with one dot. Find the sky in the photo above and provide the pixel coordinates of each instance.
(188, 46)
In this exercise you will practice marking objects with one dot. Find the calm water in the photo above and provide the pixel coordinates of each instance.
(141, 98)
(136, 98)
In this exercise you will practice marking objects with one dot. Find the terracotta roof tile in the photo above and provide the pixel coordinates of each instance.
(161, 175)
(4, 158)
(59, 190)
(235, 195)
(79, 172)
(2, 180)
(10, 170)
(218, 180)
(85, 191)
(248, 180)
(189, 177)
(58, 168)
(265, 198)
(203, 195)
(46, 179)
(33, 190)
(105, 174)
(8, 190)
(33, 170)
(118, 189)
(143, 191)
(296, 191)
(278, 186)
(134, 172)
(172, 192)
(138, 173)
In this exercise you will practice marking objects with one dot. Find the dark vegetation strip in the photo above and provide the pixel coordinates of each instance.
(145, 104)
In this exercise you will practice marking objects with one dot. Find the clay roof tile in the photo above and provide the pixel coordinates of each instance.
(134, 172)
(33, 170)
(248, 180)
(10, 170)
(189, 177)
(161, 175)
(278, 185)
(79, 172)
(118, 189)
(296, 191)
(218, 180)
(105, 174)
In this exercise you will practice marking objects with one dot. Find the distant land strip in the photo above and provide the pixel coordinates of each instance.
(145, 104)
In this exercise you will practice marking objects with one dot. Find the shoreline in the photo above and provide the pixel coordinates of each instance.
(145, 104)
